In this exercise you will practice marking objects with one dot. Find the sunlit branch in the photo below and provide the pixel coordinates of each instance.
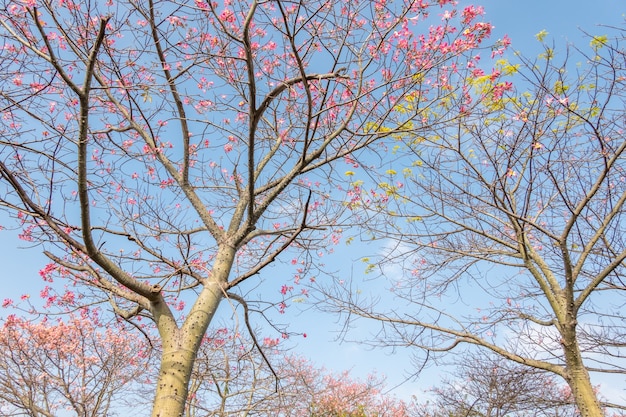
(246, 315)
(272, 257)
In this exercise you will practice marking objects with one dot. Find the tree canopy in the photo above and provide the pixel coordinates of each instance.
(505, 229)
(165, 153)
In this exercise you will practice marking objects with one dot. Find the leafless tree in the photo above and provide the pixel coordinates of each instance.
(232, 379)
(488, 385)
(507, 231)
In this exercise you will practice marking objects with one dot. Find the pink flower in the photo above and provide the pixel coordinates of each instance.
(68, 297)
(470, 13)
(202, 5)
(44, 293)
(175, 21)
(227, 16)
(26, 235)
(447, 15)
(269, 342)
(166, 183)
(499, 89)
(46, 272)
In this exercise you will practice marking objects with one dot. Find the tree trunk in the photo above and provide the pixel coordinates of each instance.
(584, 394)
(180, 349)
(174, 376)
(181, 345)
(577, 376)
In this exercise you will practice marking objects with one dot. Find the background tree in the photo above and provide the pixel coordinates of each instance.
(506, 231)
(72, 367)
(487, 385)
(166, 154)
(232, 379)
(81, 367)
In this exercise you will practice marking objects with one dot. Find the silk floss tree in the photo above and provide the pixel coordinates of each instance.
(164, 154)
(507, 232)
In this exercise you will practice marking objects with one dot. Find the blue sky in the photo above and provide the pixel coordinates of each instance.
(520, 20)
(561, 18)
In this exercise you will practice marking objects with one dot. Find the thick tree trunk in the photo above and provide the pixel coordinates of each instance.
(174, 376)
(180, 349)
(584, 394)
(181, 345)
(578, 377)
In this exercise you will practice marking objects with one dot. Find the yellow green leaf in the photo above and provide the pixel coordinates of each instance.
(541, 35)
(598, 42)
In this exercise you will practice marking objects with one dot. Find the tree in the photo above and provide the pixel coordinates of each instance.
(516, 213)
(51, 367)
(166, 154)
(488, 385)
(83, 368)
(232, 379)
